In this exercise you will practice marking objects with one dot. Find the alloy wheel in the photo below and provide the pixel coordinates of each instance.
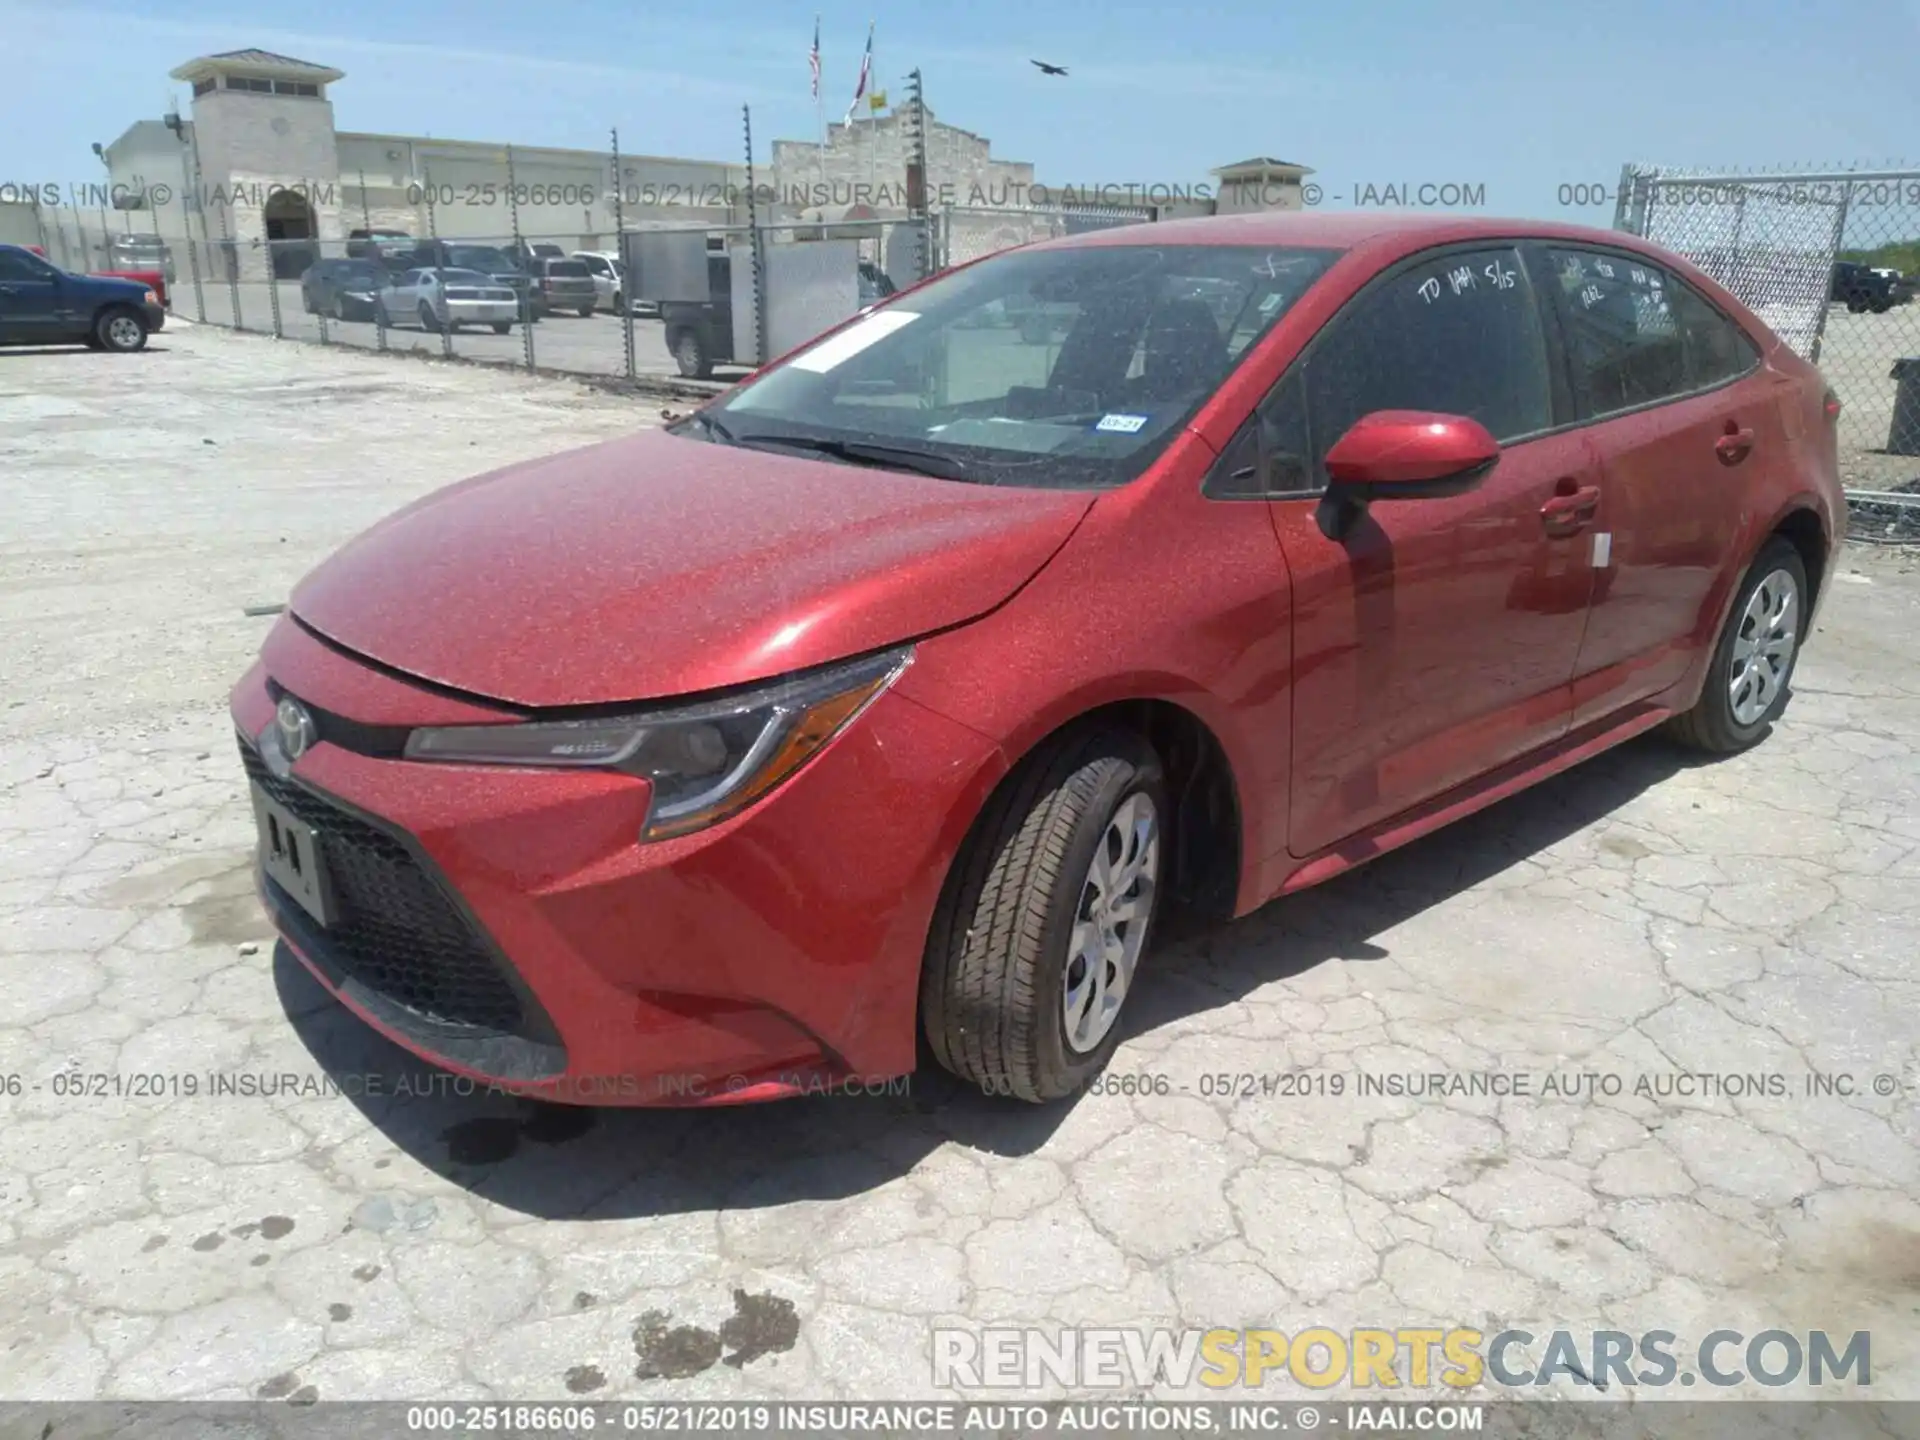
(1763, 647)
(1110, 926)
(123, 332)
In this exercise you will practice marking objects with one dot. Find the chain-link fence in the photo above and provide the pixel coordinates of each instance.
(1830, 260)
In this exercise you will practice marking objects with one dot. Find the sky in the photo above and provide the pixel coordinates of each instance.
(1517, 101)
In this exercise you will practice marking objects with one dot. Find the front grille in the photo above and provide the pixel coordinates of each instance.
(396, 931)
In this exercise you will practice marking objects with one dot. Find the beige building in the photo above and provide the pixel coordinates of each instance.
(260, 160)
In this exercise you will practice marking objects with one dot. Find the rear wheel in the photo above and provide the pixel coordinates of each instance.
(120, 330)
(1753, 661)
(1043, 922)
(586, 312)
(501, 327)
(690, 355)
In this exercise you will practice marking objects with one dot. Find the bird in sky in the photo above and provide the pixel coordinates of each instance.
(1046, 69)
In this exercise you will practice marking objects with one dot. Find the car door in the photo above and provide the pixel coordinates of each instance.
(1435, 640)
(30, 308)
(1670, 391)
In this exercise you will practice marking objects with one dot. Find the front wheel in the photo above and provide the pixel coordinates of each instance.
(1040, 930)
(501, 327)
(121, 331)
(428, 321)
(1752, 663)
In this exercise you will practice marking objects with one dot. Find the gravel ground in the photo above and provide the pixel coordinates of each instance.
(1640, 918)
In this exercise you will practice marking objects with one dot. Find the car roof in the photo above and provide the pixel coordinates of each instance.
(1343, 230)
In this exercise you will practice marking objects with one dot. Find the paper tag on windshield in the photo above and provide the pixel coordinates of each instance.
(1121, 424)
(852, 340)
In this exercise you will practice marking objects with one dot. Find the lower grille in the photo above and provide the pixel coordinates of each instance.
(397, 932)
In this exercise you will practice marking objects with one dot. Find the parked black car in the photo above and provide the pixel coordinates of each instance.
(343, 289)
(1860, 287)
(490, 260)
(699, 333)
(376, 243)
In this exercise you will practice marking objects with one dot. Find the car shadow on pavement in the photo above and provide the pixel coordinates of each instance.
(563, 1162)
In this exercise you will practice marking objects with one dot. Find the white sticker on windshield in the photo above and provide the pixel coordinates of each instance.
(852, 340)
(1121, 424)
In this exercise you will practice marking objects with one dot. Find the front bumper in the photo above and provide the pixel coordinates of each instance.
(773, 955)
(155, 316)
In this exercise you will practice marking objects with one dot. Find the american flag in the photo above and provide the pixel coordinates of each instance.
(866, 70)
(813, 57)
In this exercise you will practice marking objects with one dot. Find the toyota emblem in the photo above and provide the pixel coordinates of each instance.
(295, 724)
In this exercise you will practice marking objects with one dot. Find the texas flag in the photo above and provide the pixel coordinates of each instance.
(813, 58)
(866, 73)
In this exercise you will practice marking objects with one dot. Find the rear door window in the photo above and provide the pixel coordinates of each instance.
(1717, 349)
(1625, 346)
(1458, 334)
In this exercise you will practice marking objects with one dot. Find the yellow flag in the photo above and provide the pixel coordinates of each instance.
(877, 100)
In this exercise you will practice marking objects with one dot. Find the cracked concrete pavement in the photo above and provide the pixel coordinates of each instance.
(1643, 917)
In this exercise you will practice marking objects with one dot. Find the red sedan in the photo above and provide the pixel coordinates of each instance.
(900, 691)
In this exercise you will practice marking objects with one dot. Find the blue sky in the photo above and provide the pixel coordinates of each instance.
(1519, 98)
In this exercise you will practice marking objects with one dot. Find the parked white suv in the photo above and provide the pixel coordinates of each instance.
(610, 281)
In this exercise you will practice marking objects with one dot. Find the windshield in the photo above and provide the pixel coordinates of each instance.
(478, 257)
(1069, 367)
(567, 269)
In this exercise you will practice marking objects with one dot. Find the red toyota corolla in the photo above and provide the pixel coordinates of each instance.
(900, 691)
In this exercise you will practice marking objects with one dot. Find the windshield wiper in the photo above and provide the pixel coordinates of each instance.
(866, 452)
(713, 427)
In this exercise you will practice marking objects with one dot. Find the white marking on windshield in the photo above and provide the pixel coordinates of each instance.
(852, 340)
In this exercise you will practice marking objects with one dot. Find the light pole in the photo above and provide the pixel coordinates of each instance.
(106, 238)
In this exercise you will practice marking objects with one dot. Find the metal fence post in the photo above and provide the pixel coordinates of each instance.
(521, 256)
(445, 324)
(231, 247)
(1839, 239)
(372, 252)
(622, 298)
(917, 179)
(273, 280)
(759, 255)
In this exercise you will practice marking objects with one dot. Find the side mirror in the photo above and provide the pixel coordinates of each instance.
(1402, 455)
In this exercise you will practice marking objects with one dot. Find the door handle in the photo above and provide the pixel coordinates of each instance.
(1572, 512)
(1734, 446)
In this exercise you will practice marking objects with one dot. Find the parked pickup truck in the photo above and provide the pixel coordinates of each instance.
(1859, 288)
(699, 333)
(41, 304)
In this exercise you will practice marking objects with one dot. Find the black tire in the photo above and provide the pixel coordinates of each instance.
(501, 327)
(428, 320)
(619, 303)
(991, 986)
(1710, 725)
(120, 329)
(1856, 304)
(690, 355)
(1880, 307)
(586, 311)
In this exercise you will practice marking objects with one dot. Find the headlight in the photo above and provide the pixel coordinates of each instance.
(705, 761)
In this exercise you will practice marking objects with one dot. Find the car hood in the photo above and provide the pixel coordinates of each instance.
(659, 565)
